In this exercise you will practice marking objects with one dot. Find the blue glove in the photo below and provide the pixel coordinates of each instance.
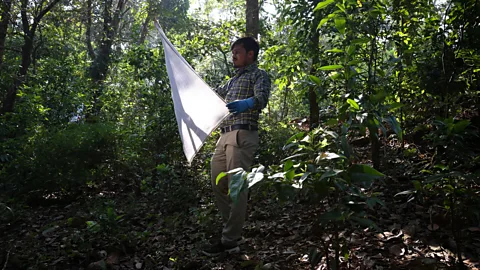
(240, 106)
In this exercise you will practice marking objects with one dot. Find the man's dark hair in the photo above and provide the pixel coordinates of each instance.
(250, 44)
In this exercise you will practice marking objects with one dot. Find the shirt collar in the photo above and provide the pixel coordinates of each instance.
(248, 68)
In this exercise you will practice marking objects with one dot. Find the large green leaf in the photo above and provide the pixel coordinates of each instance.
(460, 126)
(255, 176)
(340, 22)
(331, 67)
(360, 173)
(353, 104)
(237, 185)
(288, 165)
(315, 79)
(347, 149)
(223, 174)
(323, 4)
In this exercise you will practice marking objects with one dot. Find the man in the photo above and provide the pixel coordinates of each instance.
(247, 94)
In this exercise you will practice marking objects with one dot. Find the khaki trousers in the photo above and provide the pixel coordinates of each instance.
(234, 149)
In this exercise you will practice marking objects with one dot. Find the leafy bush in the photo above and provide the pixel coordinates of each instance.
(320, 168)
(63, 160)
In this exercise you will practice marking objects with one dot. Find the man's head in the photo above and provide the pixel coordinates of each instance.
(244, 52)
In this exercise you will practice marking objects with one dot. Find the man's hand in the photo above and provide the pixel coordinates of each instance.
(240, 106)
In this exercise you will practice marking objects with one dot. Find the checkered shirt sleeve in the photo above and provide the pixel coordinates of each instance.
(249, 82)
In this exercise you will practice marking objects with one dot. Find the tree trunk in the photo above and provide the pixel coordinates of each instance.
(312, 90)
(88, 31)
(27, 48)
(144, 32)
(100, 65)
(253, 22)
(5, 7)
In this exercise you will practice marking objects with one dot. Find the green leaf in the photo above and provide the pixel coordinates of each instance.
(351, 49)
(363, 174)
(323, 5)
(327, 156)
(406, 192)
(347, 149)
(220, 176)
(295, 137)
(290, 174)
(336, 75)
(341, 7)
(395, 126)
(335, 50)
(394, 106)
(255, 176)
(331, 67)
(332, 122)
(236, 185)
(322, 22)
(364, 222)
(330, 173)
(460, 126)
(353, 104)
(417, 185)
(315, 79)
(340, 24)
(288, 165)
(371, 202)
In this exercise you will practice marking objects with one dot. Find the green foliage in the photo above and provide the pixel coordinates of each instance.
(63, 160)
(319, 169)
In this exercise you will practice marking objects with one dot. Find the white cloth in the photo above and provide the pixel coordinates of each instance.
(198, 109)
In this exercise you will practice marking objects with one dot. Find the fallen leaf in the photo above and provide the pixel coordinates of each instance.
(48, 232)
(474, 229)
(245, 257)
(397, 250)
(113, 259)
(267, 266)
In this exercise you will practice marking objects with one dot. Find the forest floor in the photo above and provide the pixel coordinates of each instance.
(121, 229)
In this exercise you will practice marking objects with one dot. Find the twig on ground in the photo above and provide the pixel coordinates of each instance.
(6, 261)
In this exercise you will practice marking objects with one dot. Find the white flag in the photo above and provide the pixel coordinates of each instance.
(198, 109)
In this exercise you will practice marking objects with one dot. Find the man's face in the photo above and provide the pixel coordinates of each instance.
(240, 57)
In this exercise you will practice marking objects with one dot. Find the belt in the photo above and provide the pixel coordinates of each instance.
(238, 126)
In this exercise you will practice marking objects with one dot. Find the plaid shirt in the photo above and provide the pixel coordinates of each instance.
(247, 82)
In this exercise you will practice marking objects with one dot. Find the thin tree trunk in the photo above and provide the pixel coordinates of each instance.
(144, 32)
(101, 63)
(88, 31)
(27, 48)
(253, 21)
(285, 104)
(5, 7)
(374, 136)
(312, 94)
